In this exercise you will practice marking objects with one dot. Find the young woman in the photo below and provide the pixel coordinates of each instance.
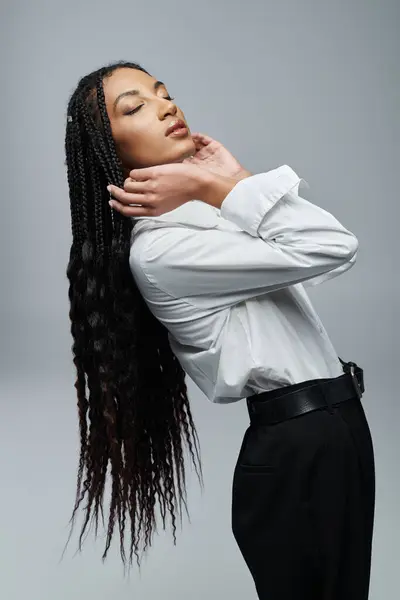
(200, 267)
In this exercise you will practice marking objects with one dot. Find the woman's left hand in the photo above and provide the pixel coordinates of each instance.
(212, 156)
(152, 191)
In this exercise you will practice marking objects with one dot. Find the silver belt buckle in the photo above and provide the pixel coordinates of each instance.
(355, 381)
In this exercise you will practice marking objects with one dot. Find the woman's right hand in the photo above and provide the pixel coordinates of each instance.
(158, 189)
(212, 156)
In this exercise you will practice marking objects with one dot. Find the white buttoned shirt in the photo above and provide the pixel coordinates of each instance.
(229, 284)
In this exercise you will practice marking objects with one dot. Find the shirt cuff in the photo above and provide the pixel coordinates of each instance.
(248, 202)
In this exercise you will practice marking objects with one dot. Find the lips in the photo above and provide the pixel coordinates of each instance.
(176, 125)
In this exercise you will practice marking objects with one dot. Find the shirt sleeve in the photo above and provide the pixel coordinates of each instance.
(283, 239)
(331, 274)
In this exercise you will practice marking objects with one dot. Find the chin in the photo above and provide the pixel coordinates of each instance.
(186, 151)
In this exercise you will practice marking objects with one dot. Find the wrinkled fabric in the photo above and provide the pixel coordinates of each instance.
(229, 284)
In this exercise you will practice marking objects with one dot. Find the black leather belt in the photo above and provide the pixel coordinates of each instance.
(277, 405)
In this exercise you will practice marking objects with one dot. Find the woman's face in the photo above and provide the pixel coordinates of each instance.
(140, 136)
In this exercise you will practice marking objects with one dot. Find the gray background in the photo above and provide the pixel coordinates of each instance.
(311, 84)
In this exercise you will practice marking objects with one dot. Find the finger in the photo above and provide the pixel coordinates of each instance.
(135, 187)
(126, 197)
(198, 144)
(141, 174)
(205, 139)
(199, 139)
(131, 211)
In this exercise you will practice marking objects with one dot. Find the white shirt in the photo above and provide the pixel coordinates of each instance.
(229, 284)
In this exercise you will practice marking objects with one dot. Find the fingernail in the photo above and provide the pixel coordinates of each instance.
(109, 188)
(111, 203)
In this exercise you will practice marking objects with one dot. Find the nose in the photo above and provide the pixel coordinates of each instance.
(168, 108)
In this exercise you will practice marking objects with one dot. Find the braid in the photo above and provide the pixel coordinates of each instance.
(123, 227)
(133, 409)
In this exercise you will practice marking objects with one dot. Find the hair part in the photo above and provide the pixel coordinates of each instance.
(134, 413)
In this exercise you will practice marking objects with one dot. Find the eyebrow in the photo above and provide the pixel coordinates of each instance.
(157, 84)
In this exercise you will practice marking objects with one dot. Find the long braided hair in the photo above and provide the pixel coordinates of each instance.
(134, 414)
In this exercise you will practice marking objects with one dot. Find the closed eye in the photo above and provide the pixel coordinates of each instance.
(131, 112)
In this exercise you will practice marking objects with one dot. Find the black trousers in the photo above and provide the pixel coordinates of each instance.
(303, 499)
